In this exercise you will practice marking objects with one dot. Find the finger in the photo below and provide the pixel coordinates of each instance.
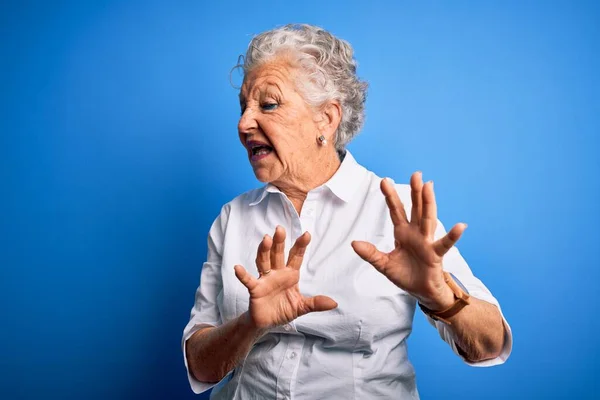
(278, 249)
(319, 303)
(429, 213)
(416, 189)
(247, 280)
(443, 245)
(263, 255)
(396, 207)
(297, 252)
(368, 252)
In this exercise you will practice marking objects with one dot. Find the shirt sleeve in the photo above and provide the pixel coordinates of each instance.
(205, 312)
(455, 264)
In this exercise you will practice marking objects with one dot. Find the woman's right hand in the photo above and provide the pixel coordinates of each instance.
(275, 298)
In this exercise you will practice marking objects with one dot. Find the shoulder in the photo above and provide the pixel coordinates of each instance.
(234, 209)
(245, 199)
(403, 189)
(241, 202)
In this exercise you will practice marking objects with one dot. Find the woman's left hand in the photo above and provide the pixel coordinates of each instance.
(415, 264)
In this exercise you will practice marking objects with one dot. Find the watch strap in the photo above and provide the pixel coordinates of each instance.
(461, 298)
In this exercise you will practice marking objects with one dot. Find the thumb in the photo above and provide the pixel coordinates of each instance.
(244, 277)
(368, 252)
(319, 303)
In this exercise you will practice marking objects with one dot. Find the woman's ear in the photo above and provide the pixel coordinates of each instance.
(331, 118)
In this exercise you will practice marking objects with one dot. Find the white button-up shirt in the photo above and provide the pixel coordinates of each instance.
(356, 351)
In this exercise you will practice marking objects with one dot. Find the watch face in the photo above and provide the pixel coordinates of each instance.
(459, 283)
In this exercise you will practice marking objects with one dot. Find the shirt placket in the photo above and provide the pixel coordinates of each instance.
(308, 214)
(295, 341)
(289, 366)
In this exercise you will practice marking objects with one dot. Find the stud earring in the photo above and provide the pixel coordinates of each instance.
(323, 140)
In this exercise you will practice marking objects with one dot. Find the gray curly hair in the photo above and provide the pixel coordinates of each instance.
(329, 65)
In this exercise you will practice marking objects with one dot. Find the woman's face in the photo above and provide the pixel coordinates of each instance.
(277, 127)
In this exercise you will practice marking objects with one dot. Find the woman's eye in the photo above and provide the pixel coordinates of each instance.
(269, 106)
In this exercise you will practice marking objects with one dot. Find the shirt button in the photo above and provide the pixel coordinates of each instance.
(287, 327)
(292, 355)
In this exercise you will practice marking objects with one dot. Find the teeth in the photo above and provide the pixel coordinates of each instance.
(261, 150)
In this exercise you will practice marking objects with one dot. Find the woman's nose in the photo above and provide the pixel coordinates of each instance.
(247, 122)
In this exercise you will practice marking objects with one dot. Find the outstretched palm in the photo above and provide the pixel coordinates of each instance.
(415, 264)
(275, 297)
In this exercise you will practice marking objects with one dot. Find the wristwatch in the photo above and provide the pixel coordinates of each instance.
(461, 299)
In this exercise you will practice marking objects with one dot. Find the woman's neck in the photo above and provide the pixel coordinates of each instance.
(320, 172)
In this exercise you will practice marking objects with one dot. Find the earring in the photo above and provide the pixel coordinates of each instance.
(323, 140)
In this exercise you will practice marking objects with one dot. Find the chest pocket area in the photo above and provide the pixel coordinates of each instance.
(384, 308)
(367, 282)
(339, 329)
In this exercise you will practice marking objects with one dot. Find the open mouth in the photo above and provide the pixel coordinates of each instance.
(259, 150)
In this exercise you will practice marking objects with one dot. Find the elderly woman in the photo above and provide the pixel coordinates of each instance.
(323, 307)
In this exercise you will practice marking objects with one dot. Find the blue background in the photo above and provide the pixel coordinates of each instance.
(119, 146)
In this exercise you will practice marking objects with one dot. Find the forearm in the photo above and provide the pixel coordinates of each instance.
(213, 352)
(478, 331)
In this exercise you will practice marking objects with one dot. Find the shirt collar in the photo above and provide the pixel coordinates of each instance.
(347, 178)
(262, 193)
(342, 184)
